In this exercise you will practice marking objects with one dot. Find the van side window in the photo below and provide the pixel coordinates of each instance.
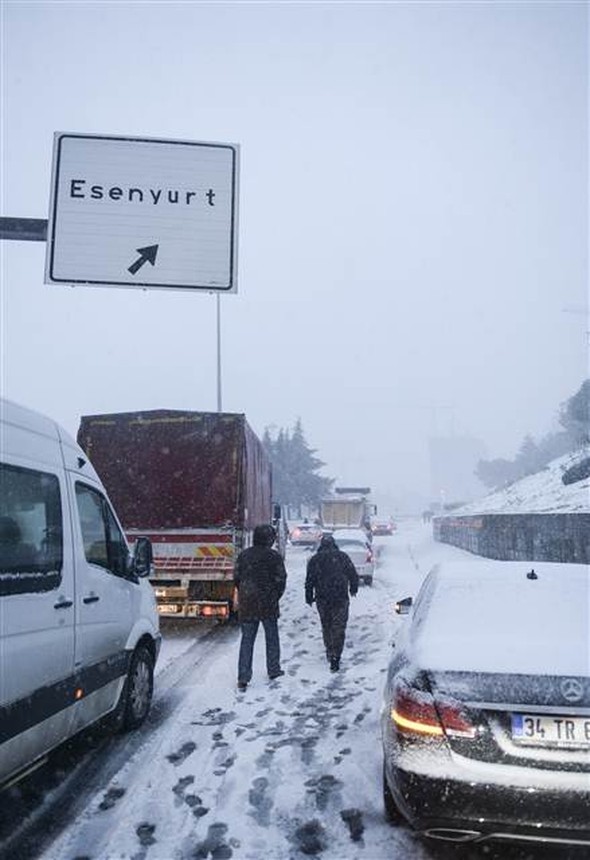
(104, 543)
(31, 539)
(118, 550)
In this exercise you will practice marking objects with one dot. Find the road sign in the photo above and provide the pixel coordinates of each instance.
(142, 212)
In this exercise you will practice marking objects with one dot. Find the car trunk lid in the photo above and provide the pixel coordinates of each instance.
(542, 721)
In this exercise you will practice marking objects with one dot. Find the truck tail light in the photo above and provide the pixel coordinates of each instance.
(414, 711)
(214, 611)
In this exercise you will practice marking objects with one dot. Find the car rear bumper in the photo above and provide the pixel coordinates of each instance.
(454, 810)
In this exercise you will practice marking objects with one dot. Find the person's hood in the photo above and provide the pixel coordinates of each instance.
(264, 535)
(327, 544)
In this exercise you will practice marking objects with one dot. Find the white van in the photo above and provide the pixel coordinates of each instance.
(79, 633)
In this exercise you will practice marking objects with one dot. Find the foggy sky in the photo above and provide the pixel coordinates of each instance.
(413, 219)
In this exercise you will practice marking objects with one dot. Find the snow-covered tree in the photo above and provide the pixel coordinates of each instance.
(575, 414)
(495, 473)
(295, 468)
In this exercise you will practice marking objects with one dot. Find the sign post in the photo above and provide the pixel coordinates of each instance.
(143, 212)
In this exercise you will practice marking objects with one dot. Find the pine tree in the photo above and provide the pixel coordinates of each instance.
(295, 466)
(309, 487)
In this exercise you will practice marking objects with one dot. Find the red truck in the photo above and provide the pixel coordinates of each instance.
(196, 484)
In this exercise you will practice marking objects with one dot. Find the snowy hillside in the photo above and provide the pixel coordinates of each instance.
(544, 492)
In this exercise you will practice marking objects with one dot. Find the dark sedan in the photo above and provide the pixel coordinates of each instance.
(486, 714)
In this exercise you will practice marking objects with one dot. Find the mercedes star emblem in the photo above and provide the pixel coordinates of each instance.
(572, 689)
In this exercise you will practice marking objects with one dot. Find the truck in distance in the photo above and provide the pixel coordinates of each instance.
(347, 508)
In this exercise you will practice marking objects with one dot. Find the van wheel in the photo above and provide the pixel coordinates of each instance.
(392, 813)
(137, 692)
(368, 580)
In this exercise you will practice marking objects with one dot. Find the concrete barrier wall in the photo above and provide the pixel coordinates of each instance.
(519, 537)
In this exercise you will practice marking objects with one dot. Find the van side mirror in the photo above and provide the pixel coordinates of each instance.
(402, 607)
(143, 557)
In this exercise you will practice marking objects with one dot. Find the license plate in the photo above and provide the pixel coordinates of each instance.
(169, 609)
(554, 731)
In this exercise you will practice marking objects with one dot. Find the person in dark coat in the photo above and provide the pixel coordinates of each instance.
(260, 578)
(331, 575)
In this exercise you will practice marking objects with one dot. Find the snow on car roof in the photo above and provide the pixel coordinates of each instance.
(488, 616)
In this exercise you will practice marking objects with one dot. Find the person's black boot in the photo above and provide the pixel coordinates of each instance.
(334, 664)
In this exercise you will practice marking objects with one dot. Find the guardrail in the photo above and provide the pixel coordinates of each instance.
(519, 537)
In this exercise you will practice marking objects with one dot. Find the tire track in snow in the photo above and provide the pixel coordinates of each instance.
(45, 804)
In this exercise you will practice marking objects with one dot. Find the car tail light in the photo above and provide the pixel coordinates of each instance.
(415, 712)
(455, 722)
(369, 556)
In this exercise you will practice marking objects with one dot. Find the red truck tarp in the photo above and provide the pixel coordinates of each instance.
(168, 469)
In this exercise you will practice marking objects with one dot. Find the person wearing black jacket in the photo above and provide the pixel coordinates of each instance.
(260, 579)
(331, 575)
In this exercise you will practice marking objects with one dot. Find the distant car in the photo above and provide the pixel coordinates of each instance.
(305, 534)
(381, 527)
(355, 543)
(486, 713)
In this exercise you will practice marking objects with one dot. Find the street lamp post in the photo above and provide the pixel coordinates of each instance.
(218, 301)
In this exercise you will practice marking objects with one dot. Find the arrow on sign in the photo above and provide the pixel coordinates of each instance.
(147, 255)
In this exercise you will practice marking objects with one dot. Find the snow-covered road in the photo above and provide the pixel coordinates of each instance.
(287, 769)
